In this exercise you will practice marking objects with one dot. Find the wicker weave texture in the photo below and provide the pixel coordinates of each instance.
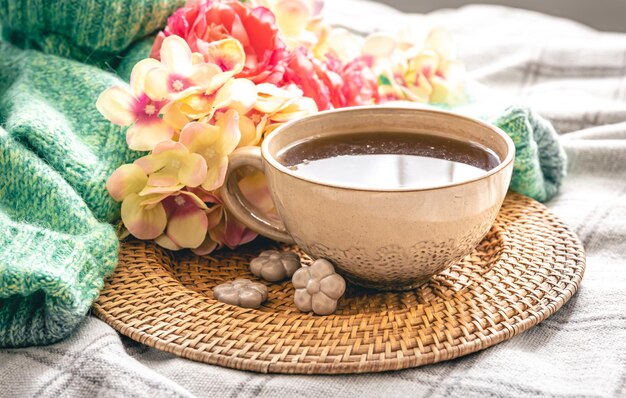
(524, 270)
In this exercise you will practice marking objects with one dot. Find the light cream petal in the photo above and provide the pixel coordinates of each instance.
(227, 54)
(230, 133)
(116, 105)
(176, 55)
(127, 179)
(379, 45)
(238, 94)
(188, 228)
(250, 135)
(202, 74)
(292, 16)
(216, 174)
(193, 170)
(163, 189)
(157, 83)
(164, 241)
(196, 200)
(146, 136)
(141, 222)
(139, 74)
(198, 136)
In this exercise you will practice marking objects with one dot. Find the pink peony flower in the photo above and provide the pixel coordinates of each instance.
(313, 77)
(207, 21)
(360, 86)
(331, 83)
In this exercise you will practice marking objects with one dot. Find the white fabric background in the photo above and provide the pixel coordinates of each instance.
(572, 75)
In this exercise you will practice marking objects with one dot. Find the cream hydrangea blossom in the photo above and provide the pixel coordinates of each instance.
(198, 112)
(133, 106)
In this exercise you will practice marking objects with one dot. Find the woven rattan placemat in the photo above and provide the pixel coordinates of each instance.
(524, 270)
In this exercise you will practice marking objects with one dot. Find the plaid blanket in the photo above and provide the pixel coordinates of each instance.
(572, 75)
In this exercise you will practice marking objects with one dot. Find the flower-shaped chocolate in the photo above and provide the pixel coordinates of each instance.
(241, 292)
(318, 288)
(274, 266)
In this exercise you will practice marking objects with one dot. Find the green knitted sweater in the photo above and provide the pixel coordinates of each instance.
(57, 240)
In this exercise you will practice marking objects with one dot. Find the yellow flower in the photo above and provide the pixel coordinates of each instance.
(170, 167)
(213, 143)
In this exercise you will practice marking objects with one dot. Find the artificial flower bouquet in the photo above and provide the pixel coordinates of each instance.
(223, 75)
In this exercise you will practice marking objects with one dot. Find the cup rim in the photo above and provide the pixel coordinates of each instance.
(504, 163)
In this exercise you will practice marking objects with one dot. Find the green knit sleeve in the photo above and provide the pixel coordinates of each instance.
(90, 31)
(56, 153)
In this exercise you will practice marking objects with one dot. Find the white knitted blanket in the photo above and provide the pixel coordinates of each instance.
(572, 75)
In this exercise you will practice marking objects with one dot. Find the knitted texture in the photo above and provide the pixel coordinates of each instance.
(91, 31)
(56, 152)
(540, 161)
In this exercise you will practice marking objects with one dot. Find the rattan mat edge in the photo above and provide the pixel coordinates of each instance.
(164, 300)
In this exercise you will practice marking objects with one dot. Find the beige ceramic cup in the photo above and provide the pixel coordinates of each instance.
(382, 239)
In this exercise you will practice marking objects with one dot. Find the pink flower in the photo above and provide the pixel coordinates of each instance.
(313, 77)
(207, 21)
(331, 83)
(360, 86)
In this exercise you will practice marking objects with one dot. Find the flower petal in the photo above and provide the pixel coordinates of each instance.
(139, 74)
(151, 200)
(379, 45)
(193, 171)
(116, 105)
(299, 108)
(207, 247)
(271, 99)
(216, 173)
(227, 54)
(176, 55)
(344, 45)
(440, 40)
(143, 223)
(197, 136)
(202, 74)
(188, 226)
(238, 94)
(250, 135)
(145, 136)
(174, 117)
(161, 187)
(127, 179)
(292, 16)
(164, 241)
(157, 86)
(228, 124)
(195, 199)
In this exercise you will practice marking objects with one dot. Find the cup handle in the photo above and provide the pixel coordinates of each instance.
(239, 206)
